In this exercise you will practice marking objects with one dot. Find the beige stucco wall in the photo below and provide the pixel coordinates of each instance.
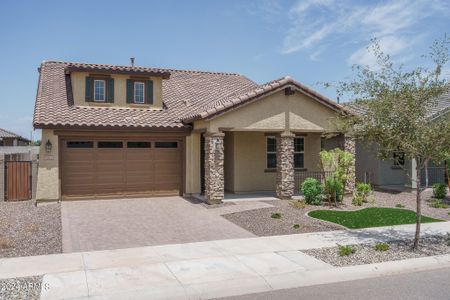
(245, 140)
(245, 161)
(229, 161)
(48, 182)
(275, 112)
(78, 80)
(193, 164)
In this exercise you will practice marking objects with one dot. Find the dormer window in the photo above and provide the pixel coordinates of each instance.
(139, 92)
(99, 90)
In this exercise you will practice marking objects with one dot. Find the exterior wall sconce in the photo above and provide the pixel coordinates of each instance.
(217, 143)
(48, 146)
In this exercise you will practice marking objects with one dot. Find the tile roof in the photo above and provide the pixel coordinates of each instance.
(8, 134)
(442, 106)
(188, 95)
(220, 106)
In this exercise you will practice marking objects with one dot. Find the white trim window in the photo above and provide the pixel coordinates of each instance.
(99, 90)
(139, 92)
(299, 152)
(271, 152)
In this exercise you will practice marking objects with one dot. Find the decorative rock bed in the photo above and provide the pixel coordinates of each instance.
(21, 288)
(29, 230)
(398, 250)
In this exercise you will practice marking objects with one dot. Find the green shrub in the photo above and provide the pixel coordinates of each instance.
(357, 200)
(296, 226)
(439, 190)
(299, 204)
(345, 250)
(333, 188)
(361, 194)
(312, 190)
(382, 247)
(437, 203)
(447, 239)
(276, 216)
(399, 205)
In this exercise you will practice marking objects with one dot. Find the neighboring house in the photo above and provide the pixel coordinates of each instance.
(396, 173)
(8, 138)
(126, 131)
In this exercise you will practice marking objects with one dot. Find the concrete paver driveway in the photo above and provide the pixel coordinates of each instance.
(125, 223)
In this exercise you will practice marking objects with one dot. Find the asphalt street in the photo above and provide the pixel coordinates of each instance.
(421, 285)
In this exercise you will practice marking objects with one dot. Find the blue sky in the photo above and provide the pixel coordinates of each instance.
(311, 40)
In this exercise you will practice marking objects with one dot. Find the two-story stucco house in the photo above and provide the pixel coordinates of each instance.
(127, 131)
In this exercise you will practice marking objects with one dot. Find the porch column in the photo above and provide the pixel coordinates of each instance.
(285, 165)
(350, 146)
(214, 173)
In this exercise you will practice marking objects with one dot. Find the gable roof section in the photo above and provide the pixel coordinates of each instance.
(188, 96)
(8, 134)
(219, 107)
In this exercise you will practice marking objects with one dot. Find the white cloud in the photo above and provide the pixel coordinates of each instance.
(314, 21)
(391, 45)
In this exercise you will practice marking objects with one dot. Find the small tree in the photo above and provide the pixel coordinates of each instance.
(398, 103)
(337, 161)
(446, 170)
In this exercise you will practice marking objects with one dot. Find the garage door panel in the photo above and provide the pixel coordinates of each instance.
(120, 172)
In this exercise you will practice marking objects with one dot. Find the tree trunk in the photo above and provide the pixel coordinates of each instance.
(446, 173)
(418, 210)
(426, 174)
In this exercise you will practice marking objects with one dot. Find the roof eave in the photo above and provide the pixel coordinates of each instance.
(163, 75)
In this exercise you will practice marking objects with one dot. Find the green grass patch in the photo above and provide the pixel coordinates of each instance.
(370, 217)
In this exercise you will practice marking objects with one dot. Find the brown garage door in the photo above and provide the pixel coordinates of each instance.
(120, 168)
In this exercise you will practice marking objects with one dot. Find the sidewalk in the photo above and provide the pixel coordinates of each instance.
(212, 269)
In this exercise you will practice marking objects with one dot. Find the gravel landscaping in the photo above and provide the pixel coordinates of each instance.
(29, 230)
(260, 223)
(21, 288)
(366, 253)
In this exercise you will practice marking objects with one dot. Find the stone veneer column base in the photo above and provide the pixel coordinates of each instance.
(285, 166)
(214, 173)
(350, 146)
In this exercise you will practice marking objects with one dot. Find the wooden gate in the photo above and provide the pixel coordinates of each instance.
(17, 180)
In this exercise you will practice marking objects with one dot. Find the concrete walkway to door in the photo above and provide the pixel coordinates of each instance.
(124, 223)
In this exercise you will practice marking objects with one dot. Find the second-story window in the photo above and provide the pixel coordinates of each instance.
(99, 90)
(139, 94)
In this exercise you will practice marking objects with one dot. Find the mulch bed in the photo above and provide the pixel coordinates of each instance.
(366, 253)
(21, 288)
(260, 223)
(29, 230)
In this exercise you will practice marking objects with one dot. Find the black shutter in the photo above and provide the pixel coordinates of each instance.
(110, 89)
(89, 89)
(130, 91)
(149, 92)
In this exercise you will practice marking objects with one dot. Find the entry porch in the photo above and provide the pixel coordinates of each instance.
(245, 165)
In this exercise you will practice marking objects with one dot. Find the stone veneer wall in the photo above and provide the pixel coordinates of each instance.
(350, 146)
(285, 166)
(214, 172)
